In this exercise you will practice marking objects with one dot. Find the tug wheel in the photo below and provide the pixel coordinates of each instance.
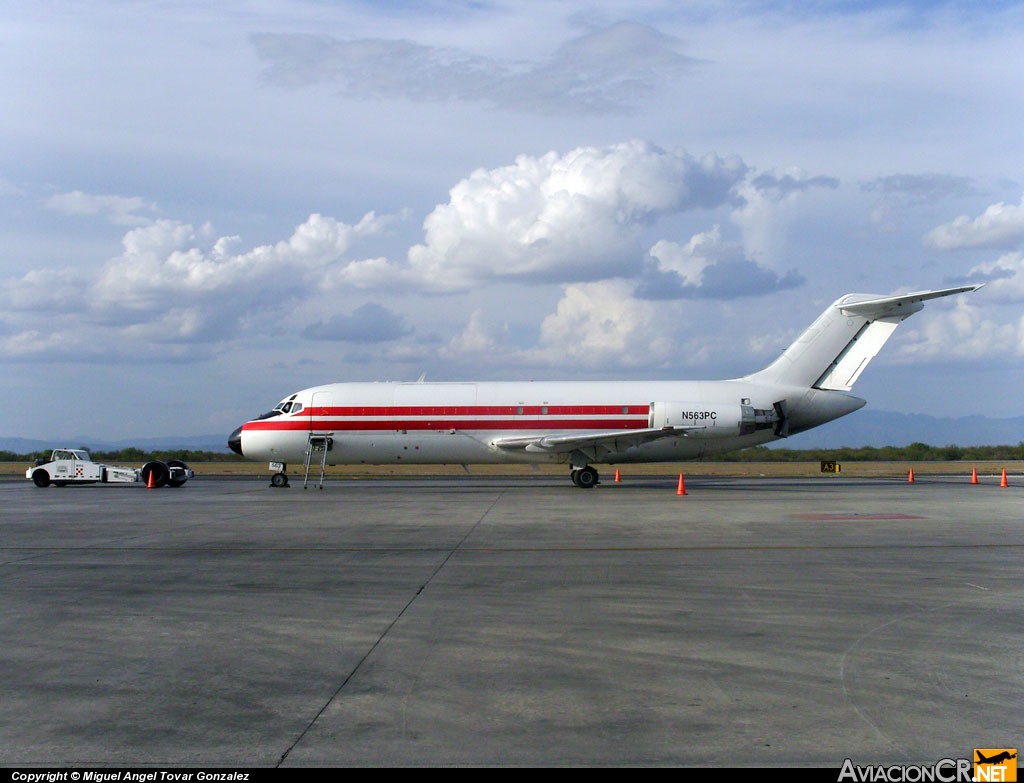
(176, 463)
(157, 470)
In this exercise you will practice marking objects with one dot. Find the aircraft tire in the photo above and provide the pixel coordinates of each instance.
(585, 478)
(279, 480)
(40, 478)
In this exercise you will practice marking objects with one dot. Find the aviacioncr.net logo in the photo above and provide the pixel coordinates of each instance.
(942, 771)
(995, 765)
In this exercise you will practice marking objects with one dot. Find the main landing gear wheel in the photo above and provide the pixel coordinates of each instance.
(279, 480)
(584, 478)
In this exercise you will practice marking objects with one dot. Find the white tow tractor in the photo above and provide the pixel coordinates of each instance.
(75, 466)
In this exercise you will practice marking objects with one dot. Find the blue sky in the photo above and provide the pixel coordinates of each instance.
(206, 207)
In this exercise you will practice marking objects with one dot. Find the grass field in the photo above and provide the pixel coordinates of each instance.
(11, 470)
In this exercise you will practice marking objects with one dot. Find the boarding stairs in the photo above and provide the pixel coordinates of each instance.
(321, 442)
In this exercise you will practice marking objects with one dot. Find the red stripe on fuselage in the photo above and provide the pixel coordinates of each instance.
(461, 417)
(543, 423)
(478, 410)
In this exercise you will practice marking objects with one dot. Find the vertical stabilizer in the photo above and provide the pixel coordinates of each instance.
(834, 350)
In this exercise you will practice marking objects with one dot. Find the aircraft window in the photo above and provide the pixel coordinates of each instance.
(625, 409)
(296, 407)
(544, 409)
(286, 407)
(519, 410)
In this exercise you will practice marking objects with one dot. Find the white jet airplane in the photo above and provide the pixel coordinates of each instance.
(582, 422)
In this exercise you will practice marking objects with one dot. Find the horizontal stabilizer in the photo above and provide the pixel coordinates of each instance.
(900, 306)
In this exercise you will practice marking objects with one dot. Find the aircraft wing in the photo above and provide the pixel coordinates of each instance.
(592, 443)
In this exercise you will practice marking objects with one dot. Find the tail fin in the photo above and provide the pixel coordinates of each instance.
(834, 350)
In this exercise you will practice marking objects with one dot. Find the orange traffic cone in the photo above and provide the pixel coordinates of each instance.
(681, 489)
(617, 479)
(150, 481)
(910, 476)
(1003, 482)
(974, 475)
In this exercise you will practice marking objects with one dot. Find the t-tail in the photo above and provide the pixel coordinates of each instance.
(813, 374)
(834, 350)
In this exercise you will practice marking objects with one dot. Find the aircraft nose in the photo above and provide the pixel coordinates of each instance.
(235, 442)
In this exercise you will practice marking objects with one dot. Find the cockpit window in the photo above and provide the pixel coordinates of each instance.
(285, 406)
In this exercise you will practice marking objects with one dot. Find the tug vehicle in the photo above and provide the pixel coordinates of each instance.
(75, 466)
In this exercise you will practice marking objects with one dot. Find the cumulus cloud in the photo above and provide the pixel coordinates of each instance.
(689, 261)
(1003, 278)
(708, 267)
(25, 344)
(961, 333)
(999, 226)
(369, 273)
(475, 340)
(43, 291)
(167, 259)
(568, 218)
(119, 210)
(601, 324)
(607, 70)
(768, 202)
(579, 219)
(70, 342)
(580, 216)
(370, 323)
(557, 218)
(175, 284)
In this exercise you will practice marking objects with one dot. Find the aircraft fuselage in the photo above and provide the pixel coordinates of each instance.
(382, 423)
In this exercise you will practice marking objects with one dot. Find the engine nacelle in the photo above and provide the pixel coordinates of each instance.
(713, 421)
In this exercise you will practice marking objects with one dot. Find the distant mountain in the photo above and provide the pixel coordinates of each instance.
(175, 442)
(883, 428)
(863, 428)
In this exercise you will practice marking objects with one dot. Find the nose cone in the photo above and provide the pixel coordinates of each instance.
(235, 442)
